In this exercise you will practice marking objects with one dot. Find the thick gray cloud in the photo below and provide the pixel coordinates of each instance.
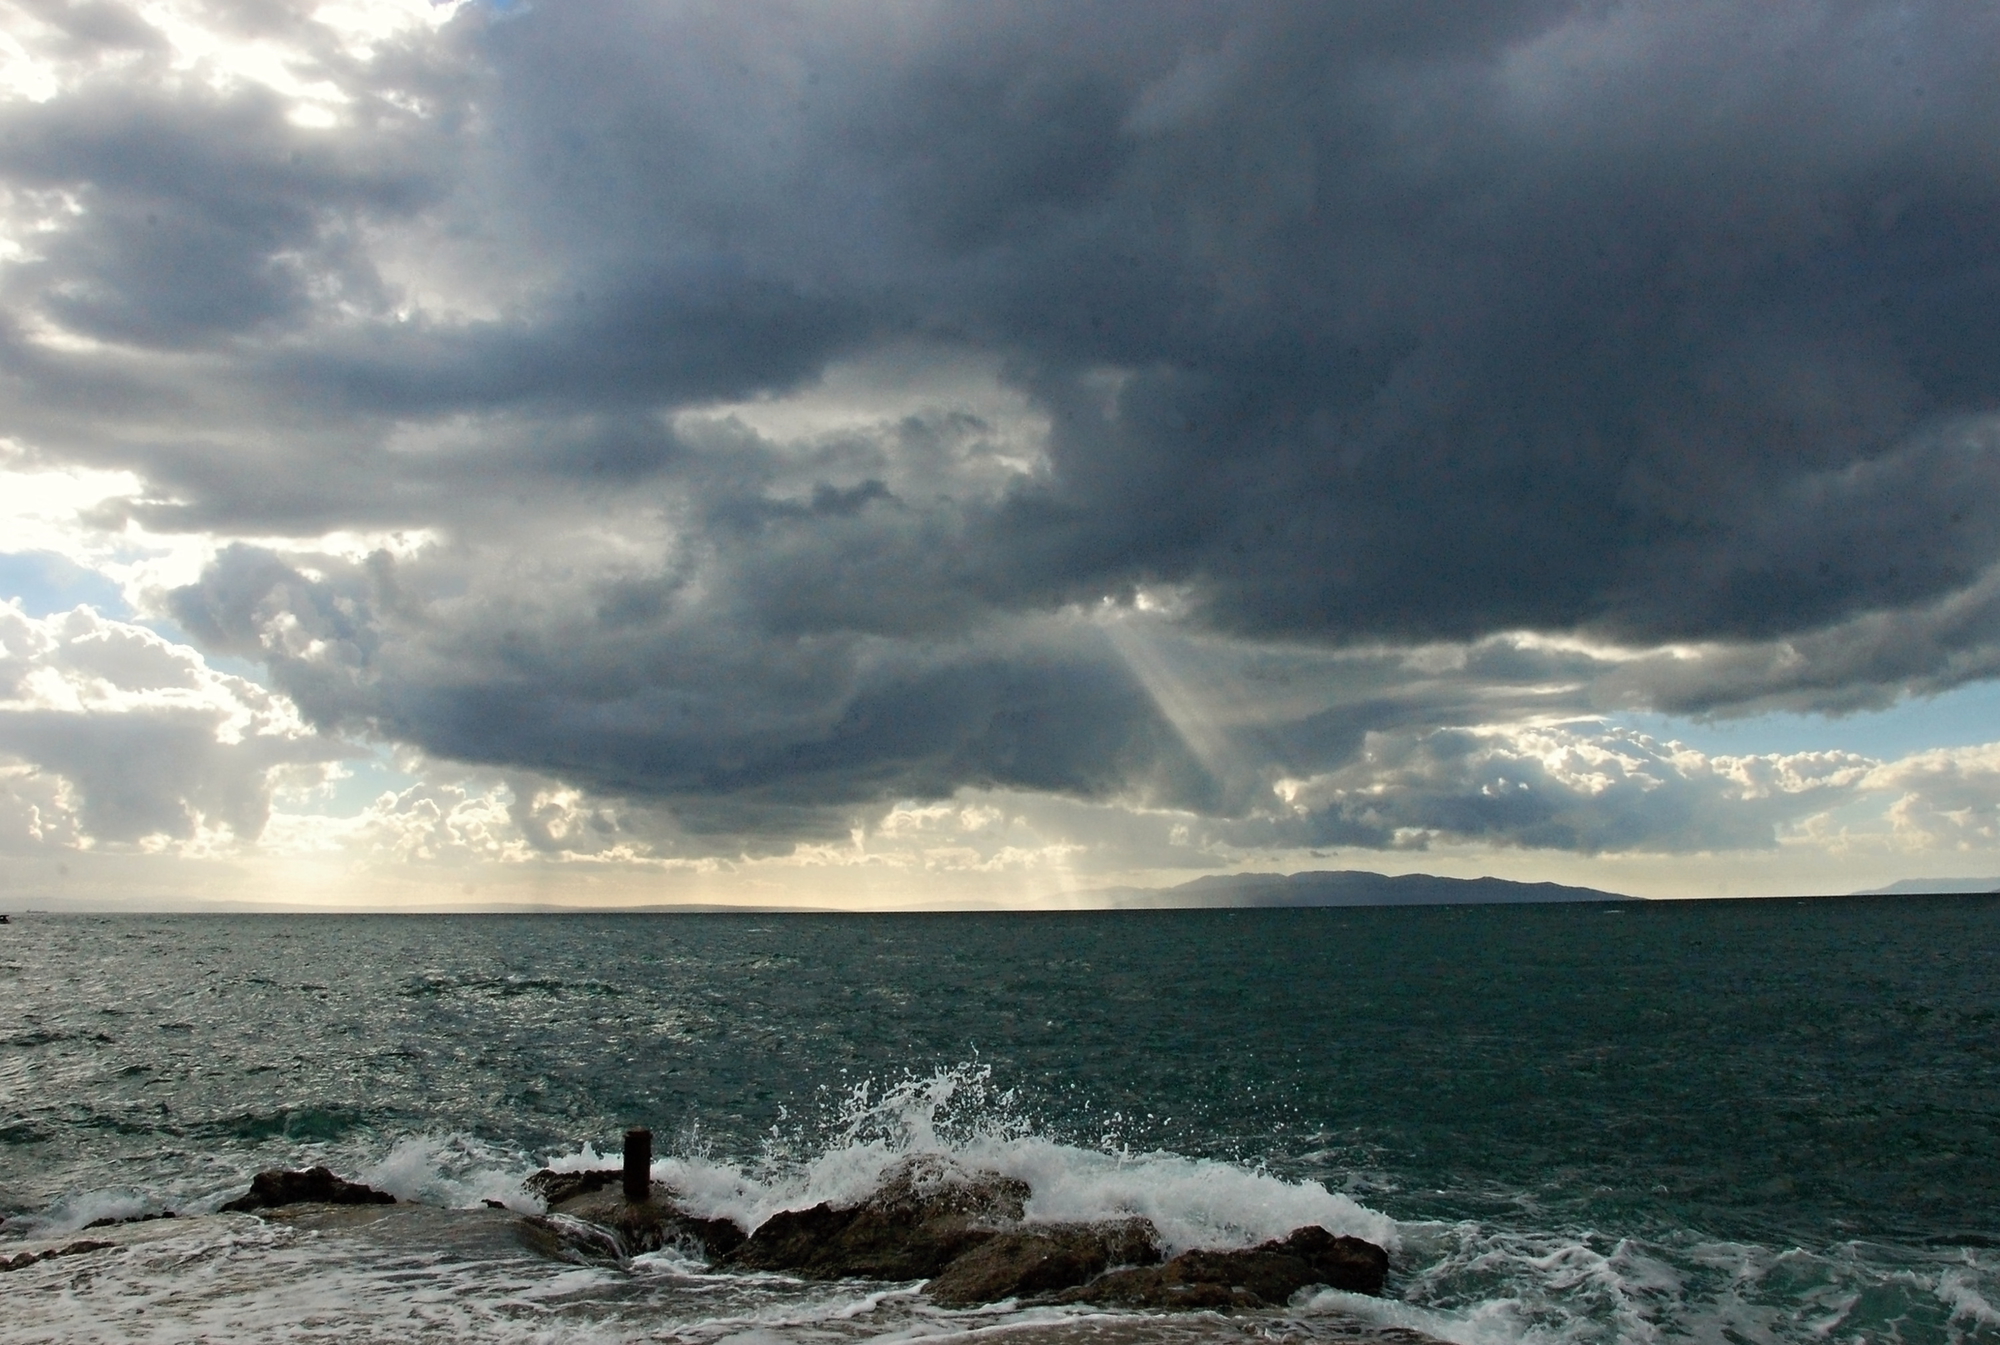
(1370, 327)
(754, 729)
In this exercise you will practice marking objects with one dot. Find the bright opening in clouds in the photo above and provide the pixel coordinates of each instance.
(953, 453)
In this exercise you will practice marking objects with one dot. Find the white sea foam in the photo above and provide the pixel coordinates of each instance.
(1959, 1290)
(390, 1274)
(79, 1209)
(369, 1276)
(1479, 1285)
(955, 1115)
(1193, 1202)
(454, 1171)
(83, 1207)
(238, 1278)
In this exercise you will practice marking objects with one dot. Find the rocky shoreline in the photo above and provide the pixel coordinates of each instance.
(964, 1232)
(935, 1235)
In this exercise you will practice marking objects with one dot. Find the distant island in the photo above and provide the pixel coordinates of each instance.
(1346, 887)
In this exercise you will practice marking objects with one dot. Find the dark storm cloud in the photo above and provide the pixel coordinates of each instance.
(1350, 324)
(199, 216)
(696, 333)
(1408, 348)
(775, 733)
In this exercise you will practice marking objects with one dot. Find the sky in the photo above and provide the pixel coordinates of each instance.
(873, 455)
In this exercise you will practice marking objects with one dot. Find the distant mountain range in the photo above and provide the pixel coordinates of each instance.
(1345, 887)
(1237, 891)
(1940, 886)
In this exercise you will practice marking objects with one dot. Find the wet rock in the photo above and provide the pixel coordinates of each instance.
(793, 1239)
(22, 1260)
(562, 1238)
(1042, 1259)
(650, 1224)
(556, 1187)
(596, 1197)
(128, 1219)
(926, 1215)
(1263, 1276)
(277, 1187)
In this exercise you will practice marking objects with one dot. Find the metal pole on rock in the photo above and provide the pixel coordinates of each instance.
(638, 1164)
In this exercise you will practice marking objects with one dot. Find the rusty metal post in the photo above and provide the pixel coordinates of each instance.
(638, 1165)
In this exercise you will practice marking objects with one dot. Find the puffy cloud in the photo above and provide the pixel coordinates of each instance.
(1948, 798)
(38, 809)
(110, 733)
(1556, 787)
(806, 413)
(428, 823)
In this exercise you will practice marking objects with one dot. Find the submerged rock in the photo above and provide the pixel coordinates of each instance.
(1042, 1259)
(277, 1187)
(563, 1238)
(926, 1215)
(1257, 1277)
(112, 1222)
(595, 1197)
(651, 1224)
(22, 1260)
(556, 1187)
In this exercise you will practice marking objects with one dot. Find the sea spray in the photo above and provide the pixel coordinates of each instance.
(957, 1114)
(1696, 1122)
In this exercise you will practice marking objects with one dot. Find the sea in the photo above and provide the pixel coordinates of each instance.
(1718, 1121)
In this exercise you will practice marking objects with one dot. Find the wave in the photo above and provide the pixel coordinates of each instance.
(955, 1113)
(1470, 1282)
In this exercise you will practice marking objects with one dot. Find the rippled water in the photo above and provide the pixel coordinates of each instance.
(1709, 1121)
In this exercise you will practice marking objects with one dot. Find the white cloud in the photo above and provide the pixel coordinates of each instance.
(42, 507)
(37, 808)
(1566, 786)
(426, 823)
(114, 734)
(1947, 799)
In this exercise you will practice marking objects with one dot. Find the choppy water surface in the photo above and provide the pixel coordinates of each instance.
(1704, 1121)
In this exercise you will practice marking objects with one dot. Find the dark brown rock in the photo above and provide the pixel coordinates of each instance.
(22, 1260)
(1263, 1276)
(562, 1238)
(1042, 1259)
(556, 1187)
(276, 1188)
(650, 1224)
(128, 1219)
(594, 1199)
(932, 1190)
(924, 1216)
(792, 1239)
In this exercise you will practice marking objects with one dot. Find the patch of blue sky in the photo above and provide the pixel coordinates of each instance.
(45, 583)
(1964, 717)
(368, 778)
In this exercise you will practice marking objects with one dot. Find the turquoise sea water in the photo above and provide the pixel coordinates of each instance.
(1704, 1121)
